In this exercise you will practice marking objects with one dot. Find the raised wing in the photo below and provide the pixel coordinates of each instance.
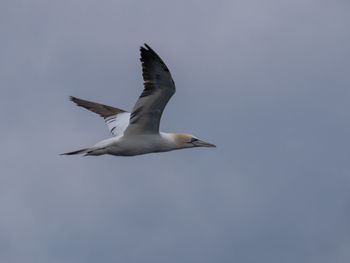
(117, 120)
(158, 89)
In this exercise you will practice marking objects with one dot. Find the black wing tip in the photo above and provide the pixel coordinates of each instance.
(148, 53)
(145, 47)
(148, 47)
(74, 99)
(148, 50)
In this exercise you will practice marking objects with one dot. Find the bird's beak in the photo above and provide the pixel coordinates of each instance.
(200, 143)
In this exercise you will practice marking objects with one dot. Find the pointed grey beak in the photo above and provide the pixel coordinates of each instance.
(200, 143)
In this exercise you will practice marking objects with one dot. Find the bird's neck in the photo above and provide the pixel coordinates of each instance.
(177, 140)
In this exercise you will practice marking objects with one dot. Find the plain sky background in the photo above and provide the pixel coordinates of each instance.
(268, 81)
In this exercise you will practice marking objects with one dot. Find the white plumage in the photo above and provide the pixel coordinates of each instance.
(138, 132)
(118, 123)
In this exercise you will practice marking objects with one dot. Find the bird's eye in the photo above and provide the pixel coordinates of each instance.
(194, 140)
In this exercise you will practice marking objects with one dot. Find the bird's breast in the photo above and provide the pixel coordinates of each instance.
(140, 144)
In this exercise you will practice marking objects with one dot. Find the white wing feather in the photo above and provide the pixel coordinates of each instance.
(118, 123)
(117, 120)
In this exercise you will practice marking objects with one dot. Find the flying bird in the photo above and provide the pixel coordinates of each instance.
(138, 132)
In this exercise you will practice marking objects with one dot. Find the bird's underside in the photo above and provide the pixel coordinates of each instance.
(138, 132)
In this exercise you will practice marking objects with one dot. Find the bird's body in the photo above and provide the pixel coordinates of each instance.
(138, 132)
(135, 145)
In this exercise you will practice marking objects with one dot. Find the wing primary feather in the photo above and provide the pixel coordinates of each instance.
(154, 54)
(158, 89)
(103, 110)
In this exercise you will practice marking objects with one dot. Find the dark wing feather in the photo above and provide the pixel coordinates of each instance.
(116, 119)
(158, 89)
(101, 109)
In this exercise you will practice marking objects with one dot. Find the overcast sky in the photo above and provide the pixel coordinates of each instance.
(267, 81)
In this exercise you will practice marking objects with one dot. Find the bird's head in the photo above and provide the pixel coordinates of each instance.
(184, 140)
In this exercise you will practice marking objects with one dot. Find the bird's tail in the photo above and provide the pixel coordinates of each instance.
(76, 152)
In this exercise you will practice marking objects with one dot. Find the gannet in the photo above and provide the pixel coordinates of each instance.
(137, 132)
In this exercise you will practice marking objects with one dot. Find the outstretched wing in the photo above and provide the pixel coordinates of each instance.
(117, 120)
(158, 89)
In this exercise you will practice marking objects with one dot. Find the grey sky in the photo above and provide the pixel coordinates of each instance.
(267, 81)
